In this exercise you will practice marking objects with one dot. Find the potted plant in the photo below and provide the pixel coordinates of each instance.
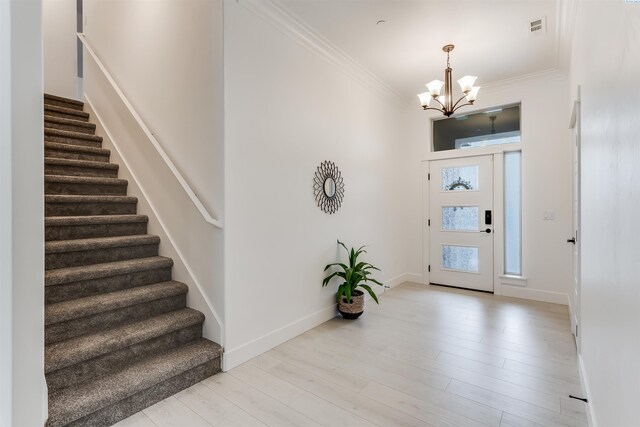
(355, 275)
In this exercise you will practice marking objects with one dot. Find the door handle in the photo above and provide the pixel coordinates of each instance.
(572, 240)
(488, 230)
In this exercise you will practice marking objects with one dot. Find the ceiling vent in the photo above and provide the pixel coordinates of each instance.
(538, 26)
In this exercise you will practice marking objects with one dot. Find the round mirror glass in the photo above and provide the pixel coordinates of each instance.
(329, 187)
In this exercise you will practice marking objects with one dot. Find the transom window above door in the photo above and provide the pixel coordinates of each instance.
(500, 125)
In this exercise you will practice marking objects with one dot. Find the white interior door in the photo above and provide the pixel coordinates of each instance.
(575, 238)
(461, 222)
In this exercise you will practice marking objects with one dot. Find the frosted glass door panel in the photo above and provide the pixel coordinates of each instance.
(460, 258)
(460, 218)
(463, 178)
(512, 214)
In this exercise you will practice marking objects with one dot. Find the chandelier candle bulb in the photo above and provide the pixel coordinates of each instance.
(447, 106)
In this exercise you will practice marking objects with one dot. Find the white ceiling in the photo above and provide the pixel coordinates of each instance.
(491, 36)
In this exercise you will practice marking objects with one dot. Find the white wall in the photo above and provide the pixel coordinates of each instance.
(166, 57)
(59, 39)
(287, 110)
(546, 181)
(23, 395)
(606, 64)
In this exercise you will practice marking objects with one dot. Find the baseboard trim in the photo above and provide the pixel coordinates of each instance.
(405, 277)
(534, 294)
(237, 356)
(591, 419)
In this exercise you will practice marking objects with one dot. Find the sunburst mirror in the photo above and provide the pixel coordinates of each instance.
(328, 187)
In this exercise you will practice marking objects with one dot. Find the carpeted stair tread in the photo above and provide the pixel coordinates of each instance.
(76, 148)
(88, 180)
(98, 271)
(70, 352)
(74, 403)
(66, 198)
(60, 221)
(76, 205)
(84, 185)
(50, 97)
(71, 135)
(63, 102)
(55, 109)
(82, 307)
(99, 243)
(79, 163)
(52, 121)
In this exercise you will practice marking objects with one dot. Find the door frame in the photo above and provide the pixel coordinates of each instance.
(499, 278)
(576, 294)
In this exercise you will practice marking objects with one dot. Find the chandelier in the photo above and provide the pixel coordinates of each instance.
(447, 107)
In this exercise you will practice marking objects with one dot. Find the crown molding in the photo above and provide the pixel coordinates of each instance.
(523, 79)
(285, 21)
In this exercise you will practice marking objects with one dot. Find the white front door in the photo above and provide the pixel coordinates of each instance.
(461, 222)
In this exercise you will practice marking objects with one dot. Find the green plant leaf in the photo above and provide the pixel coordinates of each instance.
(376, 282)
(334, 264)
(373, 294)
(341, 291)
(327, 279)
(342, 244)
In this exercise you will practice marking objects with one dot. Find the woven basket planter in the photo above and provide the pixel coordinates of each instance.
(353, 309)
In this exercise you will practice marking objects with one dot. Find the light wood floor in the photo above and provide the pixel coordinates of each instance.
(426, 356)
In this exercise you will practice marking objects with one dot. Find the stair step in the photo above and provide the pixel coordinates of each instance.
(118, 395)
(71, 167)
(72, 138)
(67, 353)
(91, 369)
(77, 282)
(75, 152)
(63, 205)
(73, 125)
(73, 318)
(60, 101)
(72, 253)
(67, 113)
(85, 227)
(84, 185)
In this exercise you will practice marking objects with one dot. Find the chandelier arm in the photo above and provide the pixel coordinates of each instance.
(463, 105)
(434, 109)
(457, 102)
(438, 101)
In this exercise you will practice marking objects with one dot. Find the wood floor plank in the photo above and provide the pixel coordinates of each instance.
(173, 413)
(430, 411)
(517, 407)
(136, 420)
(317, 409)
(375, 412)
(411, 380)
(214, 408)
(258, 404)
(510, 420)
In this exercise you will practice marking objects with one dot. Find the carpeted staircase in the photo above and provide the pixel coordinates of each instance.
(118, 334)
